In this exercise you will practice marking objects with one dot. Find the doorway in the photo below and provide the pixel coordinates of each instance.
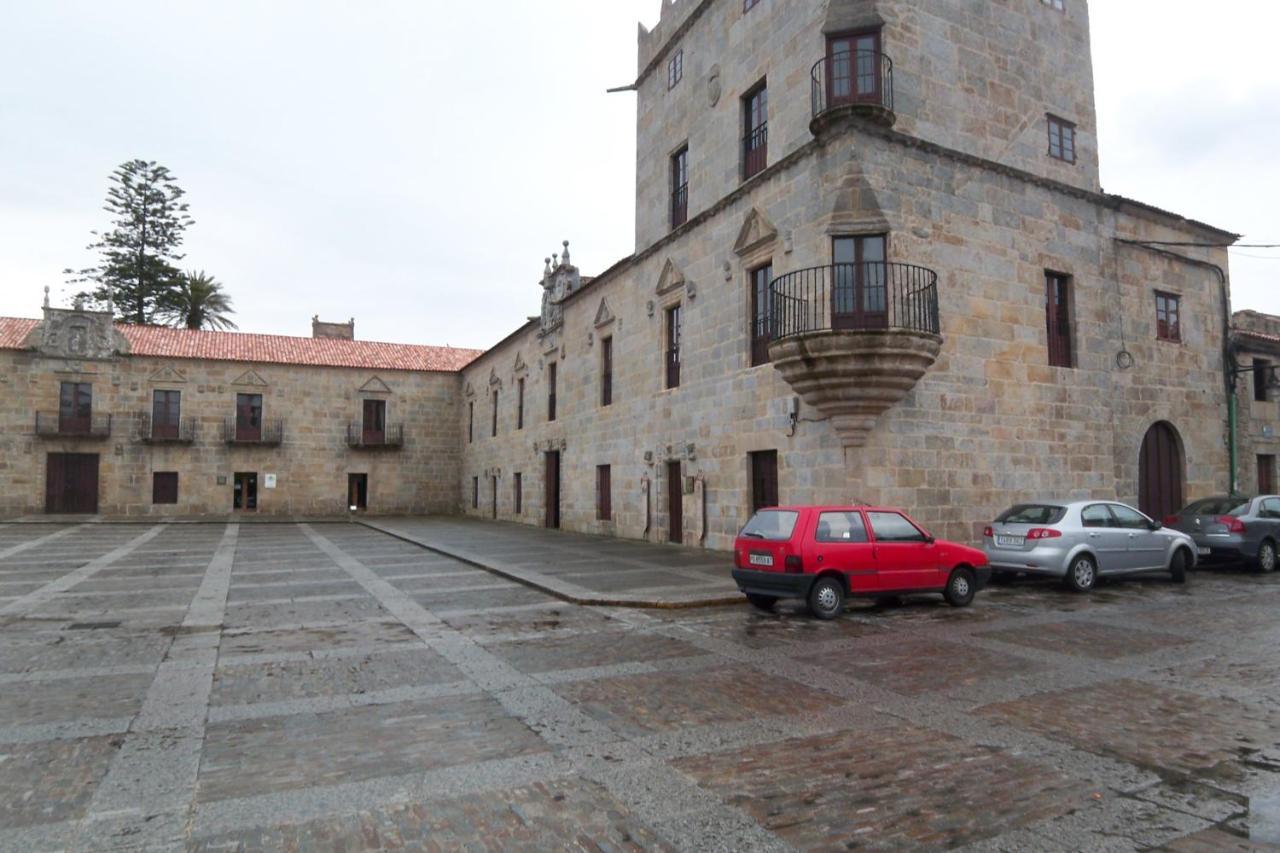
(1160, 472)
(357, 492)
(675, 503)
(71, 483)
(244, 494)
(552, 490)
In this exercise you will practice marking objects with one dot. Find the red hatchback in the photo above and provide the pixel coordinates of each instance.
(824, 554)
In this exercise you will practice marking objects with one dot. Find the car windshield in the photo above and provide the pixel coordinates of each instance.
(1219, 506)
(1032, 514)
(776, 525)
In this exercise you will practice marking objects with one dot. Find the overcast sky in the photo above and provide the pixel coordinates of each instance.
(411, 163)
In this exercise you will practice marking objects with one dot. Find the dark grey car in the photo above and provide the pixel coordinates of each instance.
(1240, 529)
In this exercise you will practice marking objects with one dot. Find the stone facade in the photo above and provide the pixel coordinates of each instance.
(963, 185)
(1255, 342)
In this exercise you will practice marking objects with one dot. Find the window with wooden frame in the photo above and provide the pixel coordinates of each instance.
(859, 282)
(75, 408)
(761, 317)
(551, 391)
(1058, 319)
(517, 493)
(854, 75)
(755, 130)
(675, 69)
(606, 371)
(1266, 474)
(520, 403)
(1062, 139)
(493, 433)
(248, 417)
(166, 412)
(680, 187)
(373, 425)
(1168, 317)
(164, 487)
(604, 493)
(673, 335)
(1262, 376)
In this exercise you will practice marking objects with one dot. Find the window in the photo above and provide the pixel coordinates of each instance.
(748, 5)
(493, 432)
(755, 138)
(475, 492)
(551, 391)
(75, 407)
(164, 487)
(772, 525)
(357, 492)
(764, 479)
(1129, 519)
(373, 428)
(892, 527)
(1095, 516)
(1261, 379)
(675, 69)
(1168, 317)
(680, 187)
(1058, 318)
(493, 482)
(248, 417)
(606, 371)
(166, 408)
(673, 346)
(853, 69)
(1271, 506)
(1062, 139)
(471, 421)
(1060, 5)
(859, 287)
(1266, 475)
(842, 527)
(520, 403)
(761, 315)
(517, 493)
(604, 493)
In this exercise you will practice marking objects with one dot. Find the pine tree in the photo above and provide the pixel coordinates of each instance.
(137, 271)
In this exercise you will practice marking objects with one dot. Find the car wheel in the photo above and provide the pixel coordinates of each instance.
(961, 588)
(1082, 574)
(826, 598)
(1267, 556)
(1178, 566)
(762, 602)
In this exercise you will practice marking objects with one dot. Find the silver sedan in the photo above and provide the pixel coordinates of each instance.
(1083, 540)
(1237, 529)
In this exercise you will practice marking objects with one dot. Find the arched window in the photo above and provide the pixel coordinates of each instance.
(1161, 472)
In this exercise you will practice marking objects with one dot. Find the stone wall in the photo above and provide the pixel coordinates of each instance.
(1256, 339)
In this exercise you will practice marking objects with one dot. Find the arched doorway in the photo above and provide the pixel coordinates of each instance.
(1160, 472)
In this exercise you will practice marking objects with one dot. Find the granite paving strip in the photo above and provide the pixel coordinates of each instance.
(38, 541)
(49, 591)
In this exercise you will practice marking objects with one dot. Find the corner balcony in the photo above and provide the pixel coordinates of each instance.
(852, 83)
(55, 425)
(263, 434)
(151, 432)
(853, 339)
(391, 437)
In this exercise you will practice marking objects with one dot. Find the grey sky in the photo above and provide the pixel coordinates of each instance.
(411, 163)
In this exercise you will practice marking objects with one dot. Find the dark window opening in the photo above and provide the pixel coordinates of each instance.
(673, 346)
(475, 492)
(493, 433)
(75, 408)
(551, 391)
(517, 493)
(357, 492)
(471, 421)
(1062, 139)
(606, 371)
(604, 493)
(244, 491)
(680, 187)
(166, 410)
(373, 426)
(1262, 376)
(755, 139)
(675, 69)
(249, 418)
(1058, 319)
(164, 487)
(520, 403)
(859, 282)
(1168, 317)
(761, 332)
(764, 480)
(494, 510)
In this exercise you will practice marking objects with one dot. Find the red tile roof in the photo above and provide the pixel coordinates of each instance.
(164, 342)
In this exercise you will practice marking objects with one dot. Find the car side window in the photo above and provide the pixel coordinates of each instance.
(1129, 519)
(891, 527)
(841, 527)
(1096, 515)
(1271, 508)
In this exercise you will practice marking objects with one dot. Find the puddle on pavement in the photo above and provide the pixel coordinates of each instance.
(1263, 819)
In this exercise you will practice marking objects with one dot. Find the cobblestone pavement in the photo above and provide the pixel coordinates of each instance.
(229, 687)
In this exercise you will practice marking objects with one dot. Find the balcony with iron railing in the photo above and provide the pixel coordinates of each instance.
(264, 434)
(183, 431)
(852, 83)
(391, 437)
(56, 425)
(853, 339)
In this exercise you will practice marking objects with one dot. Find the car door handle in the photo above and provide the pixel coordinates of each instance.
(1093, 536)
(819, 558)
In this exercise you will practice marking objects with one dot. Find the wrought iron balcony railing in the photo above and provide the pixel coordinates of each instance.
(265, 434)
(56, 425)
(152, 432)
(859, 82)
(389, 438)
(875, 296)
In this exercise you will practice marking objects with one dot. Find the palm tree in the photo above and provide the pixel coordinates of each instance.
(199, 303)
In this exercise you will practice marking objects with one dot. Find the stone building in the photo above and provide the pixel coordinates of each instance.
(1255, 344)
(873, 262)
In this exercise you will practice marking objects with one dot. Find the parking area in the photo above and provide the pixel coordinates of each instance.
(329, 686)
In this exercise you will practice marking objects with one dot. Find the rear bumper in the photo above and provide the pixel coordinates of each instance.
(1224, 549)
(777, 584)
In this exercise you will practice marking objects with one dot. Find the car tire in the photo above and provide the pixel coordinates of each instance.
(762, 602)
(1267, 556)
(826, 598)
(1082, 574)
(1178, 566)
(961, 588)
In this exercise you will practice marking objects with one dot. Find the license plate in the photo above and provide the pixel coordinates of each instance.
(760, 560)
(1204, 552)
(1011, 541)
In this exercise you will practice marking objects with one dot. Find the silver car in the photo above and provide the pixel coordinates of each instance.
(1236, 529)
(1083, 540)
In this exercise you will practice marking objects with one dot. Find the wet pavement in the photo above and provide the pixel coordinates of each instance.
(310, 686)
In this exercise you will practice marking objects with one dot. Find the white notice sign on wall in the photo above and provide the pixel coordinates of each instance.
(269, 481)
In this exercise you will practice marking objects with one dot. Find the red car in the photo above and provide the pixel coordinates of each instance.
(824, 554)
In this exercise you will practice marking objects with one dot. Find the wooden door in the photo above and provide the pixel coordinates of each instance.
(1160, 472)
(859, 283)
(675, 503)
(1266, 474)
(552, 489)
(357, 491)
(764, 479)
(166, 409)
(248, 417)
(71, 483)
(245, 491)
(374, 428)
(853, 69)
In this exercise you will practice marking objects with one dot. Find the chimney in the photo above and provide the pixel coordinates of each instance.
(342, 331)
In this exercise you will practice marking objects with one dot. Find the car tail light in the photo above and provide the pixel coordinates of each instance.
(1044, 533)
(737, 559)
(1234, 525)
(795, 565)
(988, 532)
(1171, 520)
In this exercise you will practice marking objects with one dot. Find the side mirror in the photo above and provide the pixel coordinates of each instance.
(929, 540)
(1156, 525)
